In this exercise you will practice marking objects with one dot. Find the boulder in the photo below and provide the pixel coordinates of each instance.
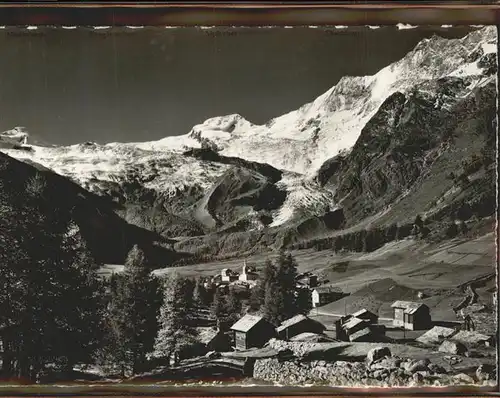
(452, 347)
(377, 353)
(463, 378)
(386, 363)
(416, 366)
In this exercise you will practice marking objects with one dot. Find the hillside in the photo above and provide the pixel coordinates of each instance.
(108, 236)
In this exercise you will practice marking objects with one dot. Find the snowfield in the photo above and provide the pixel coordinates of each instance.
(298, 142)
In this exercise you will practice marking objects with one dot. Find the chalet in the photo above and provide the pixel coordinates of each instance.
(353, 325)
(325, 294)
(252, 331)
(352, 328)
(366, 315)
(248, 274)
(411, 315)
(297, 325)
(228, 275)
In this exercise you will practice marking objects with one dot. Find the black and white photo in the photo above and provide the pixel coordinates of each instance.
(279, 206)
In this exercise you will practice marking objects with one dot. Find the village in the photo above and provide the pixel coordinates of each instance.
(251, 340)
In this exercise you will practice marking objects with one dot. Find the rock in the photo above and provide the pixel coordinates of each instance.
(415, 366)
(485, 372)
(379, 374)
(463, 378)
(386, 363)
(418, 378)
(436, 368)
(452, 347)
(424, 373)
(377, 353)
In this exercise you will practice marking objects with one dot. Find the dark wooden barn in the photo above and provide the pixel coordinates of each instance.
(411, 315)
(252, 331)
(366, 315)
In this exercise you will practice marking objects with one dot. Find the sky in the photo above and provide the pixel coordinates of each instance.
(127, 85)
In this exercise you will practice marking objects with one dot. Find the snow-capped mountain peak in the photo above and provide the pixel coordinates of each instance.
(301, 140)
(298, 142)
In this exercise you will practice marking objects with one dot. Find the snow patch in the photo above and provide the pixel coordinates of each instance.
(402, 26)
(302, 195)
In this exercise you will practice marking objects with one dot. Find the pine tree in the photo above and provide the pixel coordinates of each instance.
(188, 286)
(199, 293)
(273, 309)
(218, 308)
(134, 307)
(233, 306)
(53, 308)
(257, 295)
(280, 300)
(174, 333)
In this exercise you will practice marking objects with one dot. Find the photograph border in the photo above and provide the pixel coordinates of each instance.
(255, 14)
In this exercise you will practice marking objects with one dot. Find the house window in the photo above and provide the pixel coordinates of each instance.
(239, 339)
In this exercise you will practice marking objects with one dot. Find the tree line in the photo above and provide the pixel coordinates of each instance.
(56, 311)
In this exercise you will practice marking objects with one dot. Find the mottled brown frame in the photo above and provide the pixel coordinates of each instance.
(247, 14)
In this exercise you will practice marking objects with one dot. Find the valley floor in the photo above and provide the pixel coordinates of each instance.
(401, 270)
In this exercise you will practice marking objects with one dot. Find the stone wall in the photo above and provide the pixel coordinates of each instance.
(385, 372)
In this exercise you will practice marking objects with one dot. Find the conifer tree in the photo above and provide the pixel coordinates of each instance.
(134, 307)
(280, 300)
(174, 332)
(274, 305)
(52, 306)
(199, 293)
(218, 308)
(233, 306)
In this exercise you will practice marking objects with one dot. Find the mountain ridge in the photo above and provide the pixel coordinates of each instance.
(295, 153)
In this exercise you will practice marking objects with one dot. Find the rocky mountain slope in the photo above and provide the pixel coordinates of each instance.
(108, 236)
(368, 147)
(412, 139)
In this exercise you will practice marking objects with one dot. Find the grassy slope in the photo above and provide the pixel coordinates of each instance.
(396, 271)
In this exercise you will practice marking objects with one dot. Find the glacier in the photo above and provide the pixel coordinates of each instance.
(298, 142)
